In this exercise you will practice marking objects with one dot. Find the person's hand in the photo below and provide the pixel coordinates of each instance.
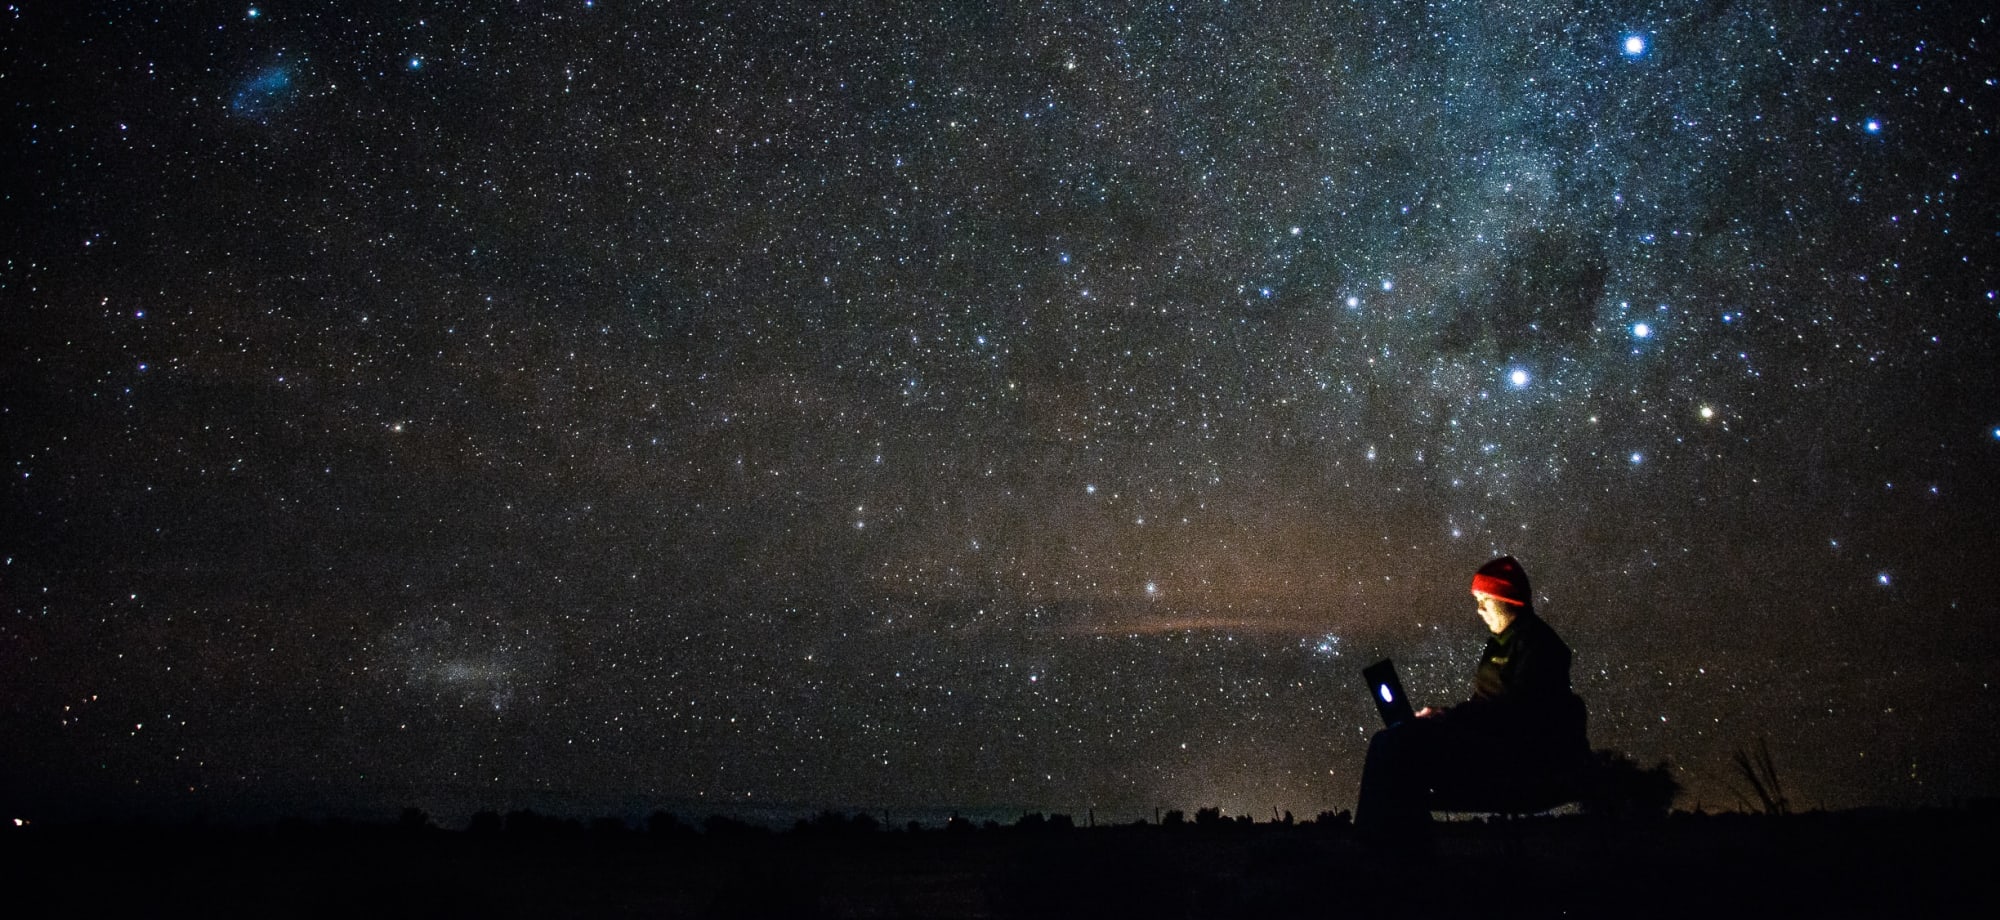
(1429, 713)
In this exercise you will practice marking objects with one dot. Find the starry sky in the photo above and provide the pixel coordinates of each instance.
(903, 405)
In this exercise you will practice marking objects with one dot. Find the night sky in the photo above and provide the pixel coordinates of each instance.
(591, 406)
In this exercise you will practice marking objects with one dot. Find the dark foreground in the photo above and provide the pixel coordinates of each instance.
(1905, 864)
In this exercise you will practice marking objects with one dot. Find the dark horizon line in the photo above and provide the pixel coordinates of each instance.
(850, 821)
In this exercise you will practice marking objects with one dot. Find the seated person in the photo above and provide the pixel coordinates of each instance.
(1515, 745)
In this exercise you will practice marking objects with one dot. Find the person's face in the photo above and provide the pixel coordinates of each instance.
(1495, 613)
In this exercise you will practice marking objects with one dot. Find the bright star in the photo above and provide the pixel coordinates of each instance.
(416, 63)
(1882, 579)
(1873, 126)
(1519, 377)
(1388, 285)
(1353, 302)
(1635, 45)
(1641, 330)
(1708, 412)
(1638, 458)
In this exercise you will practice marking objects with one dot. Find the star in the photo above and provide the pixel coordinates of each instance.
(576, 389)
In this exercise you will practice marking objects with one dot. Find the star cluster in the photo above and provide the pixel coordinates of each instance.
(929, 405)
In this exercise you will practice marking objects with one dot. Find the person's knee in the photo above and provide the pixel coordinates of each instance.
(1385, 743)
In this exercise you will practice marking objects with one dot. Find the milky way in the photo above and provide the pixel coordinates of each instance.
(901, 405)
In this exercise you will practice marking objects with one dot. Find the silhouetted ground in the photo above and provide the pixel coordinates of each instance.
(1856, 864)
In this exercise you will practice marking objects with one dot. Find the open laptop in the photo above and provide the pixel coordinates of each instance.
(1387, 691)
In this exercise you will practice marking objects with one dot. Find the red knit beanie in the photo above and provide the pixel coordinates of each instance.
(1505, 579)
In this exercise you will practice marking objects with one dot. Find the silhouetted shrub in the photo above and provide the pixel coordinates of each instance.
(529, 822)
(485, 822)
(1173, 818)
(1037, 823)
(1620, 788)
(1761, 772)
(1208, 817)
(721, 827)
(414, 820)
(833, 824)
(666, 824)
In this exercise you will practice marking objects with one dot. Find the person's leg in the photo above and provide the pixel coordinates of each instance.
(1396, 779)
(1417, 766)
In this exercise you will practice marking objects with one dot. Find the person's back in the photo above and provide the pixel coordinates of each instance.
(1522, 688)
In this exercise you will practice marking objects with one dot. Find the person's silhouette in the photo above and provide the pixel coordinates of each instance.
(1516, 745)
